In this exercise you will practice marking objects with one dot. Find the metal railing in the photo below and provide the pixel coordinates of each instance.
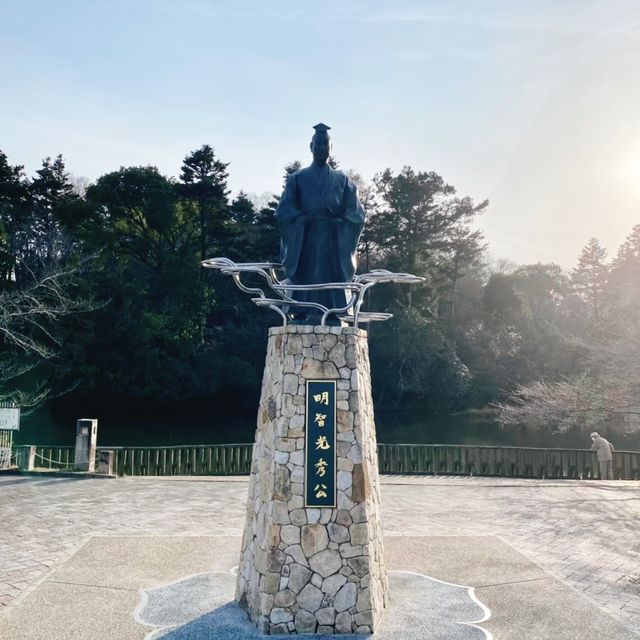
(421, 459)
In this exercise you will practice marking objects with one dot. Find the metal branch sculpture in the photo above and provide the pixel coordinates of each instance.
(281, 301)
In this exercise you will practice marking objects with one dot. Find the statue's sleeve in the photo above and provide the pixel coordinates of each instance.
(352, 210)
(287, 209)
(352, 223)
(290, 221)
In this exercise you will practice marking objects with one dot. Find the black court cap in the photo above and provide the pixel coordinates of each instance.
(321, 128)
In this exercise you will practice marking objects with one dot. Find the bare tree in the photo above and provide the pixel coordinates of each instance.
(30, 319)
(80, 185)
(607, 390)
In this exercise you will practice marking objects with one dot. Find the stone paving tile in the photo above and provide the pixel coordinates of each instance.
(584, 533)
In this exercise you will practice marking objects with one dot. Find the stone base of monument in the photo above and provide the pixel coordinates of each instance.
(422, 609)
(314, 569)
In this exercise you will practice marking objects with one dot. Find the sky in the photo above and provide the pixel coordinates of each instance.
(534, 105)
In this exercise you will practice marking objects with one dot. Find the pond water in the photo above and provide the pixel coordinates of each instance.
(472, 427)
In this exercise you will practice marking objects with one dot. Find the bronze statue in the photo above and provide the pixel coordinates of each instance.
(320, 219)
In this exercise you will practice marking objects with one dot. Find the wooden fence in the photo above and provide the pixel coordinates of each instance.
(515, 462)
(235, 459)
(195, 460)
(212, 460)
(49, 457)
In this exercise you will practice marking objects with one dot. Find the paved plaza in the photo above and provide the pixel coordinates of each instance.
(583, 533)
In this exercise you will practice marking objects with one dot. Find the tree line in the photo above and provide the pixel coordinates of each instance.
(104, 302)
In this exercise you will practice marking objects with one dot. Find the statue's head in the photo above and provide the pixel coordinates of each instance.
(321, 144)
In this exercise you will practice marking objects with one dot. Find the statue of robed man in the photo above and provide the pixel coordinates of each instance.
(320, 220)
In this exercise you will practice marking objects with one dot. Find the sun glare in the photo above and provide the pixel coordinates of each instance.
(631, 169)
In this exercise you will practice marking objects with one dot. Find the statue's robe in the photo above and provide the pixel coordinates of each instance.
(320, 220)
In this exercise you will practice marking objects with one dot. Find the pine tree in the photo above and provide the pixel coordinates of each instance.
(51, 192)
(589, 278)
(14, 219)
(465, 248)
(624, 280)
(267, 241)
(204, 185)
(415, 217)
(243, 218)
(289, 170)
(242, 211)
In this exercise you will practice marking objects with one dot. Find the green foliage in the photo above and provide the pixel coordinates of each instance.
(589, 279)
(417, 224)
(149, 338)
(14, 219)
(416, 217)
(599, 386)
(623, 292)
(161, 332)
(41, 291)
(266, 243)
(203, 185)
(414, 362)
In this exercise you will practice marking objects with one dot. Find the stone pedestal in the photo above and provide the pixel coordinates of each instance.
(303, 569)
(27, 458)
(106, 461)
(86, 439)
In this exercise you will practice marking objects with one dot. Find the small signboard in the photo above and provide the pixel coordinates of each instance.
(9, 418)
(320, 445)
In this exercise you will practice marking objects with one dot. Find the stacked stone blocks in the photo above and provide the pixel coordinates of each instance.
(313, 570)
